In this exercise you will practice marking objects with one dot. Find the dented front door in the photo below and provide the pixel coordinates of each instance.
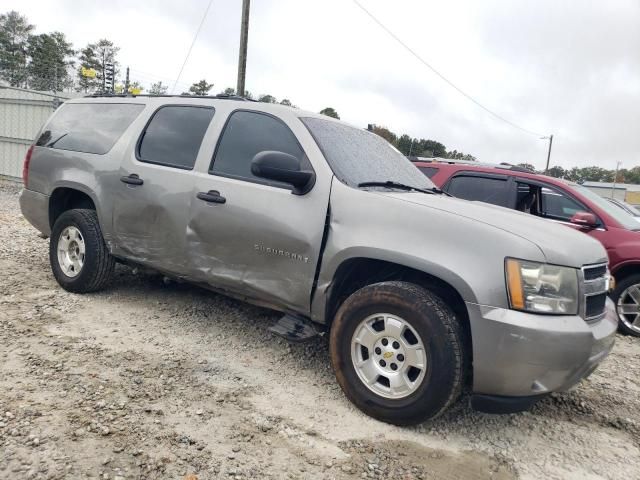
(250, 237)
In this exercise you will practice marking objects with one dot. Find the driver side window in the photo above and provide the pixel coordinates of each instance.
(246, 134)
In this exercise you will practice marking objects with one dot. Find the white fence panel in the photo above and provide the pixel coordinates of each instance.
(22, 114)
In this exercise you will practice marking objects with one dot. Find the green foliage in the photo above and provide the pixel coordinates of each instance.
(158, 89)
(287, 102)
(415, 147)
(330, 112)
(557, 172)
(97, 56)
(201, 88)
(266, 98)
(528, 166)
(385, 133)
(50, 58)
(15, 30)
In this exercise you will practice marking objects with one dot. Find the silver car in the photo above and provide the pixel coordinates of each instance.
(422, 294)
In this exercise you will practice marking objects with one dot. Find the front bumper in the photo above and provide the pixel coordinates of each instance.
(35, 208)
(519, 354)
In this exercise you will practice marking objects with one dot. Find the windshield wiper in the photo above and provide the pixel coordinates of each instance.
(51, 144)
(402, 186)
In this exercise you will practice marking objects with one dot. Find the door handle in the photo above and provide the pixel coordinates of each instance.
(212, 196)
(132, 179)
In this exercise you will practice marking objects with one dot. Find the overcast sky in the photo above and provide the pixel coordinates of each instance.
(571, 68)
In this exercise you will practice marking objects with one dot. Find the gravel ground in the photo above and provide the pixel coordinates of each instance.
(155, 380)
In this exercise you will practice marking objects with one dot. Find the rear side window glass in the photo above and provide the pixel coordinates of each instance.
(483, 189)
(249, 133)
(88, 127)
(428, 171)
(173, 136)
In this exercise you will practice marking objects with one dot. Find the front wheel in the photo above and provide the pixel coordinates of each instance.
(79, 258)
(626, 296)
(397, 352)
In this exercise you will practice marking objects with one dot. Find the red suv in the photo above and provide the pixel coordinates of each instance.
(559, 201)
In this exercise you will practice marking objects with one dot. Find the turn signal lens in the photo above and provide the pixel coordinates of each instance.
(514, 282)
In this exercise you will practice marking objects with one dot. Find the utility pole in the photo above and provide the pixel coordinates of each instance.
(615, 177)
(126, 83)
(550, 137)
(242, 57)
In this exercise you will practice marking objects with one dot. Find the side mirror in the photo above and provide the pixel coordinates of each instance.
(584, 219)
(285, 168)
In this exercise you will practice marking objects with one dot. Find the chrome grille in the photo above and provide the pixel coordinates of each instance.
(595, 285)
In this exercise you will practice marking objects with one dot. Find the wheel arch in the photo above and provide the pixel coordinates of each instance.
(355, 273)
(626, 269)
(67, 197)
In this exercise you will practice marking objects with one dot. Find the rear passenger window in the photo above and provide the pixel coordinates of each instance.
(483, 189)
(173, 136)
(88, 127)
(249, 133)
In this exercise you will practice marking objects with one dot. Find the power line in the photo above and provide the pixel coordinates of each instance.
(195, 37)
(433, 69)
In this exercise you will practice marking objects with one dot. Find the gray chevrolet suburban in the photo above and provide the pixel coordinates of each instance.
(423, 295)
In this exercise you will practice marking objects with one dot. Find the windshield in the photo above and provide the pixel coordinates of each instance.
(623, 218)
(358, 156)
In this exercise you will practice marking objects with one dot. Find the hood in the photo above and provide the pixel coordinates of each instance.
(560, 244)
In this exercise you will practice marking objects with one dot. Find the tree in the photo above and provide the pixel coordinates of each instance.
(431, 148)
(201, 88)
(330, 112)
(50, 59)
(87, 61)
(14, 36)
(556, 172)
(266, 98)
(527, 166)
(96, 56)
(287, 102)
(228, 91)
(385, 133)
(158, 89)
(405, 143)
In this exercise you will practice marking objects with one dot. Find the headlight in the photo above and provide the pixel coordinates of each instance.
(542, 288)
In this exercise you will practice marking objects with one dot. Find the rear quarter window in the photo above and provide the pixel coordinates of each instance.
(429, 171)
(478, 188)
(88, 127)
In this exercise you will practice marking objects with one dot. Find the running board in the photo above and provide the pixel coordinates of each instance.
(295, 329)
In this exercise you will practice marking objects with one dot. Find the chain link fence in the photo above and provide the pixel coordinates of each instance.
(22, 114)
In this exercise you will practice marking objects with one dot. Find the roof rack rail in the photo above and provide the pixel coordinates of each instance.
(223, 96)
(451, 161)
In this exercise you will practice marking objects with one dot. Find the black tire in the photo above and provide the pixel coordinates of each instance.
(98, 267)
(615, 296)
(441, 335)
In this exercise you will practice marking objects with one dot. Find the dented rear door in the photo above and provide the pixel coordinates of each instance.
(151, 204)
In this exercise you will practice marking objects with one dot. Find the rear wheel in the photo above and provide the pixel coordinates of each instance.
(626, 296)
(397, 352)
(79, 258)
